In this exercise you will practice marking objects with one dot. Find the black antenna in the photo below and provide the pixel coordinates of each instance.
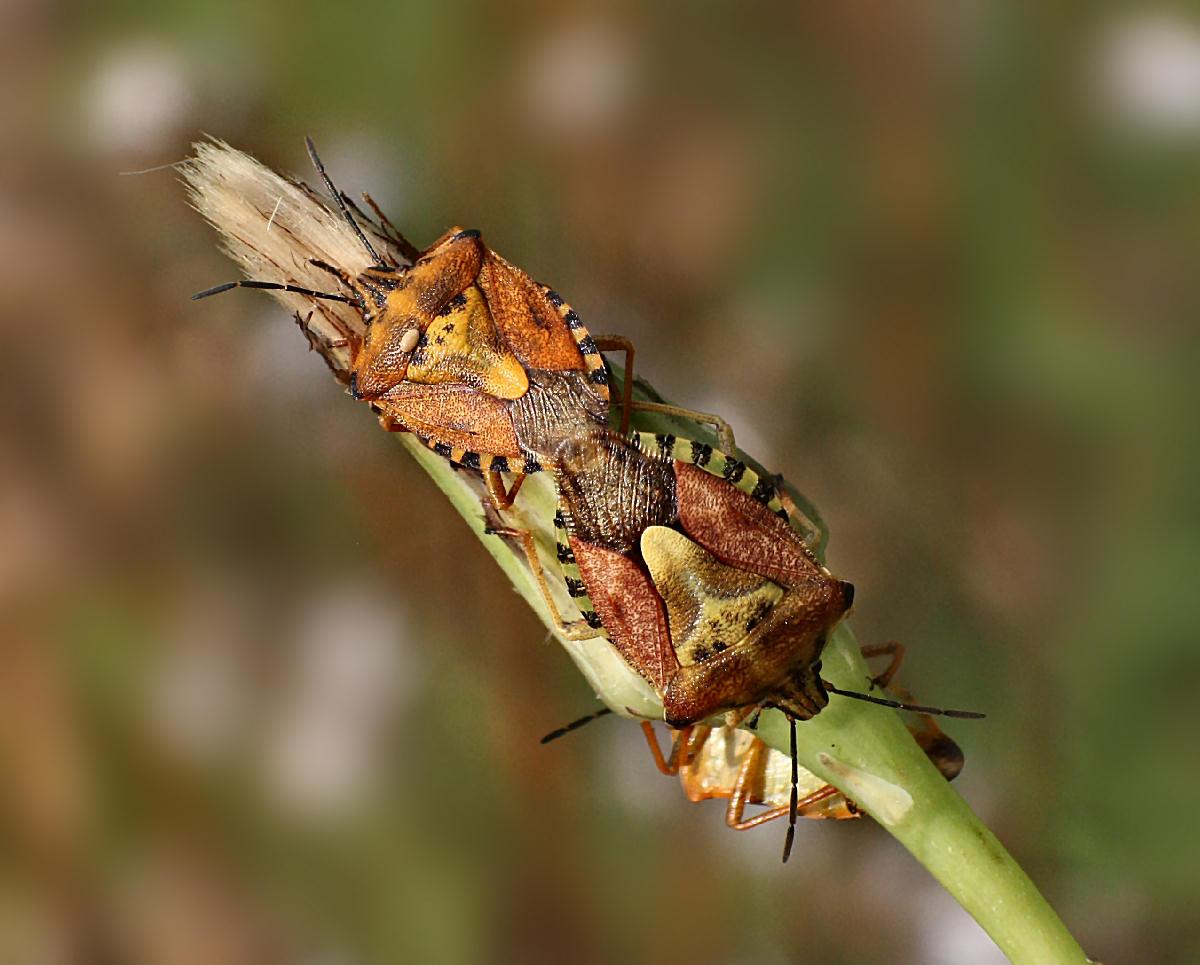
(899, 705)
(337, 197)
(791, 831)
(574, 725)
(274, 286)
(409, 250)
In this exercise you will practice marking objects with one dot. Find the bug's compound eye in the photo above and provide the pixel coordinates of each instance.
(468, 233)
(409, 340)
(848, 594)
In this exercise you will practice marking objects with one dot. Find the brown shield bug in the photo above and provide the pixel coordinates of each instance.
(687, 560)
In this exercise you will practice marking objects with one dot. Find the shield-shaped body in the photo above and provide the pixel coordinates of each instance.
(472, 355)
(687, 560)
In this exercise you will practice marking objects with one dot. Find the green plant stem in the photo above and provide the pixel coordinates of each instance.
(863, 750)
(922, 811)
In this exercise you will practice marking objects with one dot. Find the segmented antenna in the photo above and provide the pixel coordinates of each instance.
(274, 286)
(899, 705)
(337, 197)
(407, 248)
(574, 725)
(791, 831)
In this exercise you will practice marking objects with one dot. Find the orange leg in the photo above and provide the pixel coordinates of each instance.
(685, 742)
(891, 648)
(734, 818)
(651, 739)
(619, 343)
(502, 498)
(750, 777)
(575, 630)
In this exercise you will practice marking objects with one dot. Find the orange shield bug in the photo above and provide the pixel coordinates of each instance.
(490, 368)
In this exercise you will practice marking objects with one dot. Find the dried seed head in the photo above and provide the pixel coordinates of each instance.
(281, 231)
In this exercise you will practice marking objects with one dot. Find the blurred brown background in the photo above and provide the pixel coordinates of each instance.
(261, 696)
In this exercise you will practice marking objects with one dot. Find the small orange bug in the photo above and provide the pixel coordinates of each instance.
(734, 764)
(726, 762)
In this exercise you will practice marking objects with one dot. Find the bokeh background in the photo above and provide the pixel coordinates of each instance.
(262, 698)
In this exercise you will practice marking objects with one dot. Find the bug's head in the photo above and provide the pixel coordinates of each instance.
(802, 694)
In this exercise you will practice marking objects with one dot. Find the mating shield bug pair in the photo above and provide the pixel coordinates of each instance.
(685, 557)
(488, 367)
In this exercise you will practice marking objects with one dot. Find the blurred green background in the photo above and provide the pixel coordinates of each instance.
(262, 698)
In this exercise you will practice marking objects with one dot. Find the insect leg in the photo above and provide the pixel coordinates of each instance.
(619, 343)
(736, 821)
(670, 765)
(750, 775)
(501, 498)
(724, 430)
(892, 649)
(576, 630)
(790, 507)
